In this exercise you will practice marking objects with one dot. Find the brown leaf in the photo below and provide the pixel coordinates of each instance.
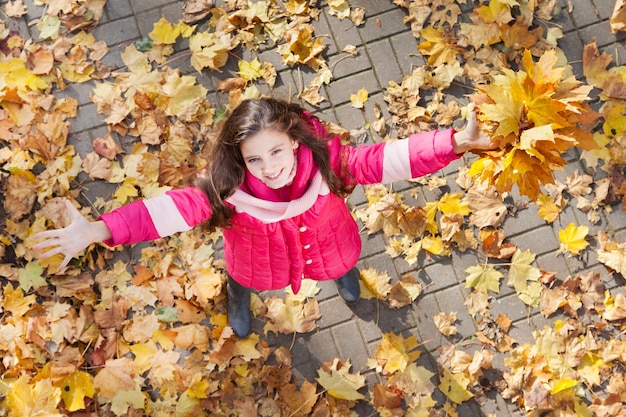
(196, 10)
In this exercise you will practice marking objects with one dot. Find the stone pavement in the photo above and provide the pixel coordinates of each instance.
(387, 51)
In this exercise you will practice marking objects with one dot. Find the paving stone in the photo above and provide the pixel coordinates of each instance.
(317, 347)
(540, 240)
(372, 244)
(510, 306)
(385, 62)
(453, 300)
(383, 25)
(404, 45)
(334, 311)
(143, 5)
(343, 33)
(583, 13)
(382, 263)
(118, 31)
(350, 345)
(437, 276)
(601, 32)
(424, 311)
(604, 8)
(348, 65)
(117, 9)
(342, 88)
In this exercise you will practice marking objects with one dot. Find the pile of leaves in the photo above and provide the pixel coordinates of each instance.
(149, 336)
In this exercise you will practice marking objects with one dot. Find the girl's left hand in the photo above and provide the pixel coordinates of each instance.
(472, 137)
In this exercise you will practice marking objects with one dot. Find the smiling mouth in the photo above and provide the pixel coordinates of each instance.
(274, 177)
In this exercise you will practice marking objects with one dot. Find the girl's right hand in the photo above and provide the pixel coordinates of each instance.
(72, 239)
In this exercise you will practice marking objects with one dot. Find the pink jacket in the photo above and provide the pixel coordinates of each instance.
(279, 237)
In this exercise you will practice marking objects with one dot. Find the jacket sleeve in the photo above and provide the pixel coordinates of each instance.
(175, 211)
(418, 155)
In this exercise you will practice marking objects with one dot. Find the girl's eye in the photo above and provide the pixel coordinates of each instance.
(252, 160)
(276, 151)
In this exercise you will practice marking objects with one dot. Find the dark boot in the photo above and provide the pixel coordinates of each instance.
(348, 286)
(239, 317)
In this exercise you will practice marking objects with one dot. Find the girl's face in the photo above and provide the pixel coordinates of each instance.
(269, 156)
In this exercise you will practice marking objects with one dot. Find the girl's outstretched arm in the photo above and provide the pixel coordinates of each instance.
(73, 239)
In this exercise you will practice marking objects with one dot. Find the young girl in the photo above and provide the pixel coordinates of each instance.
(276, 185)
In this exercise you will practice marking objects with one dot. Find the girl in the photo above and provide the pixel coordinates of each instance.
(276, 185)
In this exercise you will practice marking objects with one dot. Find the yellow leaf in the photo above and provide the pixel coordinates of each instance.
(530, 137)
(612, 254)
(164, 33)
(484, 278)
(358, 100)
(291, 315)
(31, 276)
(395, 353)
(548, 210)
(339, 8)
(16, 74)
(76, 387)
(250, 71)
(376, 283)
(572, 238)
(144, 352)
(49, 27)
(126, 191)
(563, 384)
(521, 271)
(454, 386)
(434, 245)
(37, 400)
(439, 47)
(445, 323)
(452, 204)
(123, 400)
(339, 383)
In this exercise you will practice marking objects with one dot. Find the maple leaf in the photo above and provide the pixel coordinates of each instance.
(300, 47)
(250, 71)
(124, 399)
(483, 278)
(394, 353)
(31, 400)
(439, 45)
(339, 8)
(615, 307)
(76, 387)
(572, 239)
(534, 116)
(336, 379)
(290, 315)
(524, 277)
(612, 254)
(404, 292)
(445, 323)
(31, 276)
(595, 71)
(376, 284)
(358, 100)
(548, 209)
(486, 206)
(454, 386)
(164, 32)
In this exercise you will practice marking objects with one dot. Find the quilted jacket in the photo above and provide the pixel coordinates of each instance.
(279, 237)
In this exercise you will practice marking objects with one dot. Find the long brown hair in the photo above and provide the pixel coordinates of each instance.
(227, 167)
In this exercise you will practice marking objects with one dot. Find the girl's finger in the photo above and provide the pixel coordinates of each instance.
(51, 252)
(46, 234)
